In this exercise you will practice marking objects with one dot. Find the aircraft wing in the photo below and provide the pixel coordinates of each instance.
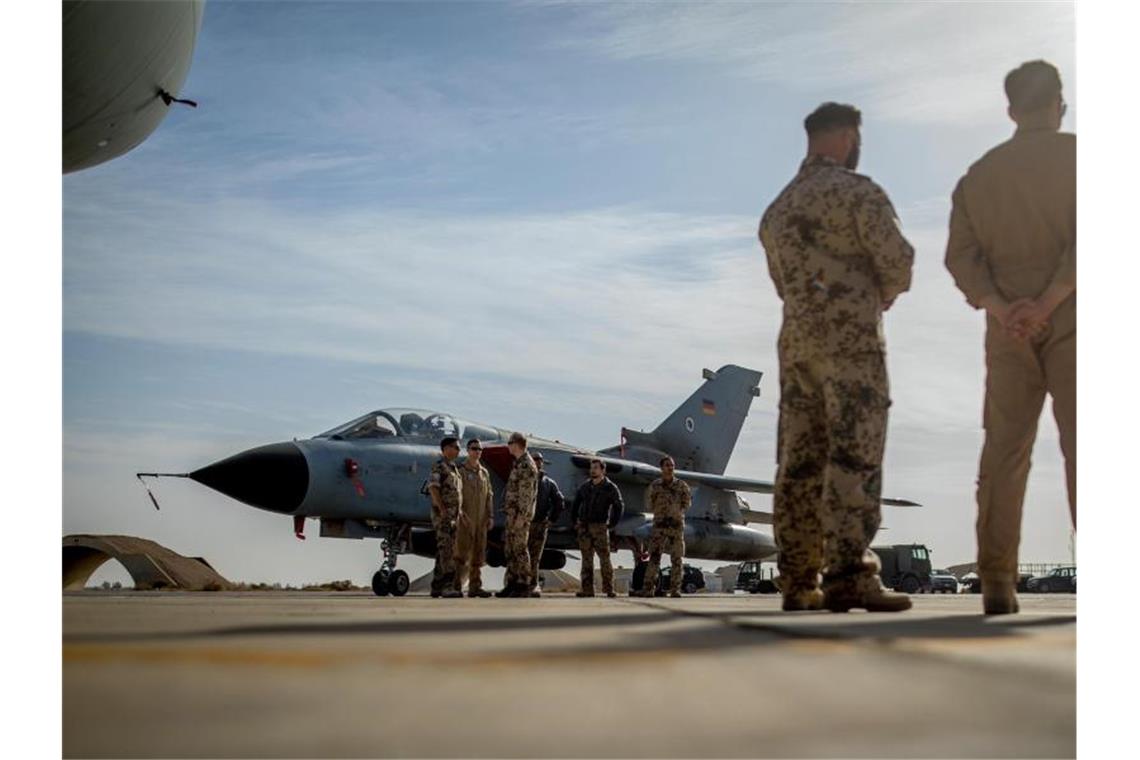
(756, 516)
(628, 471)
(622, 470)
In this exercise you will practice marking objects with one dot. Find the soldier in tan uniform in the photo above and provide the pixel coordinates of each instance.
(668, 499)
(1013, 252)
(838, 261)
(446, 502)
(474, 521)
(518, 506)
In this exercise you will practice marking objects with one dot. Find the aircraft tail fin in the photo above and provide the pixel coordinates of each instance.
(701, 433)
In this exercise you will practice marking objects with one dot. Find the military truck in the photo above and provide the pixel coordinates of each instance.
(750, 578)
(906, 567)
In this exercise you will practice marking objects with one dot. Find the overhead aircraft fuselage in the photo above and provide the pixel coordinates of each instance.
(118, 60)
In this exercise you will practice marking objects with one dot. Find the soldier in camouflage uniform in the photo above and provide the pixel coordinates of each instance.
(597, 508)
(548, 508)
(518, 506)
(474, 522)
(445, 489)
(1013, 252)
(668, 499)
(838, 261)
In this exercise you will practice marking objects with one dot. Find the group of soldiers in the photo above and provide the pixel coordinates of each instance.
(463, 513)
(838, 261)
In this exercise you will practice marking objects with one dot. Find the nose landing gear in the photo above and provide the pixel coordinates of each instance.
(389, 580)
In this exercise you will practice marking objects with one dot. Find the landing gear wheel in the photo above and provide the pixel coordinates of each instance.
(380, 583)
(398, 583)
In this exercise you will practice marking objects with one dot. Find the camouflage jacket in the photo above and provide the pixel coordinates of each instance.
(522, 487)
(668, 503)
(836, 256)
(445, 478)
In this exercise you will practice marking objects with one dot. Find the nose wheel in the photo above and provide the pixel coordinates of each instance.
(389, 580)
(394, 582)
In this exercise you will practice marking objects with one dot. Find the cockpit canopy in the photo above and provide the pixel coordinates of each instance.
(410, 423)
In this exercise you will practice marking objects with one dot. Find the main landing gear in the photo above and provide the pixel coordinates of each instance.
(389, 580)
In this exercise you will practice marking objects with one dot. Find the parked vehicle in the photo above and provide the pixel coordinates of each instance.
(1059, 580)
(750, 578)
(943, 582)
(692, 581)
(906, 567)
(972, 584)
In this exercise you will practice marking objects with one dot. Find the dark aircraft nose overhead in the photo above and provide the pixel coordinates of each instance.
(273, 477)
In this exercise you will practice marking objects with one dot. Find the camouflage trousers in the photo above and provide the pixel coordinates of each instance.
(443, 574)
(516, 535)
(534, 546)
(1019, 374)
(595, 537)
(470, 552)
(832, 433)
(669, 541)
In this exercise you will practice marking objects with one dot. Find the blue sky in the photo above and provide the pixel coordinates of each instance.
(565, 196)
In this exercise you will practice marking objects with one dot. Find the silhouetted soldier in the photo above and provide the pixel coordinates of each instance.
(838, 261)
(1013, 252)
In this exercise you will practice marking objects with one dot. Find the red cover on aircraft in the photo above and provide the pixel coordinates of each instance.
(498, 460)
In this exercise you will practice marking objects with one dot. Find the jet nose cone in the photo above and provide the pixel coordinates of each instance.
(273, 477)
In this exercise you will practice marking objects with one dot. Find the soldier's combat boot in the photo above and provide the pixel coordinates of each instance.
(506, 592)
(584, 594)
(611, 594)
(999, 597)
(675, 594)
(450, 593)
(799, 599)
(534, 592)
(478, 592)
(864, 593)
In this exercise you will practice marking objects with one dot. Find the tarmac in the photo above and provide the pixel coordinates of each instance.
(309, 674)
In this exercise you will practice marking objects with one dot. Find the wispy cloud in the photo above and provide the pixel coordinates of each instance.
(532, 294)
(526, 295)
(928, 63)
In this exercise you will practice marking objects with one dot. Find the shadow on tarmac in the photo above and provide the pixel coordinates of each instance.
(730, 629)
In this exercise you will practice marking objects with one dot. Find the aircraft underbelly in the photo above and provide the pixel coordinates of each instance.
(117, 56)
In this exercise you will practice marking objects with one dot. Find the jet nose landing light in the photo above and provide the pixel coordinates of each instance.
(273, 477)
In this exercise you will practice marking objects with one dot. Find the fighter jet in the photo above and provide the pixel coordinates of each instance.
(367, 478)
(123, 63)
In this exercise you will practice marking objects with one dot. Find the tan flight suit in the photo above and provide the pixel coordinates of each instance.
(1013, 231)
(836, 256)
(471, 535)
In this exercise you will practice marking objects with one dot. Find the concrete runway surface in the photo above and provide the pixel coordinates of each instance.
(307, 674)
